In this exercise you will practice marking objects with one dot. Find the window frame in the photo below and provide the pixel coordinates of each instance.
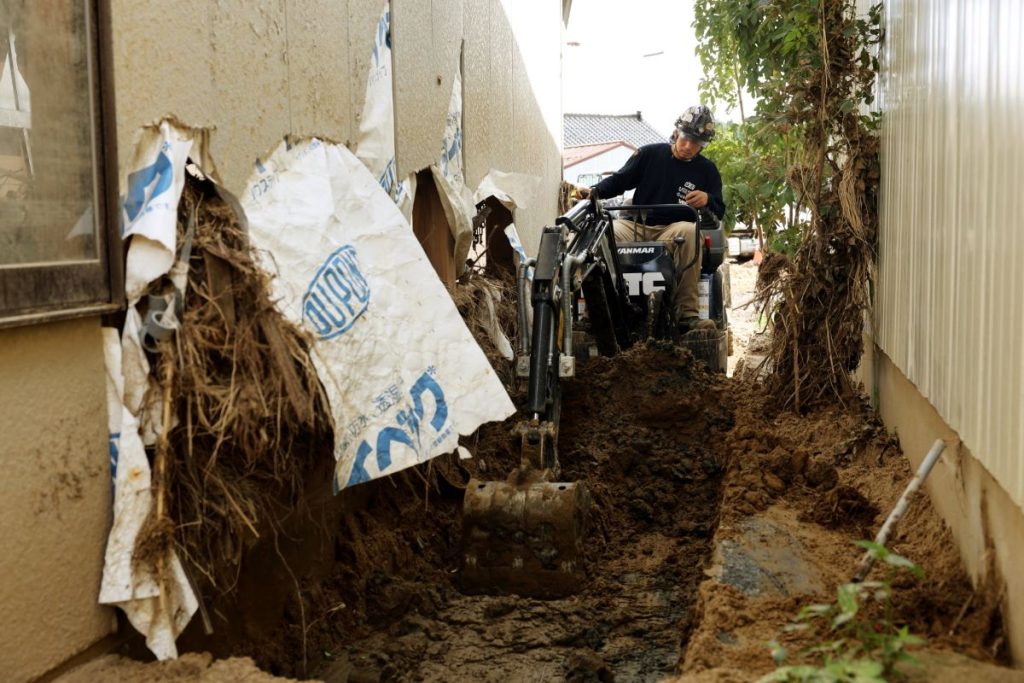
(43, 292)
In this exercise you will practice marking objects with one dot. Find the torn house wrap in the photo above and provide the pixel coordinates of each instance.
(403, 374)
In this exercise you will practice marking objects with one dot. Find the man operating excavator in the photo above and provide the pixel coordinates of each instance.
(672, 173)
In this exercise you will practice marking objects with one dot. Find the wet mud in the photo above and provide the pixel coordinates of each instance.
(716, 516)
(645, 432)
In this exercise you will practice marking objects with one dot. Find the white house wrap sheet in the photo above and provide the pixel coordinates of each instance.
(403, 374)
(151, 190)
(375, 144)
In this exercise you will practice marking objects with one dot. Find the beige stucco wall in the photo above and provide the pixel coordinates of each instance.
(987, 524)
(256, 71)
(512, 92)
(55, 492)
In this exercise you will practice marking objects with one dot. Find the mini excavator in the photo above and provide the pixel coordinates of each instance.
(587, 296)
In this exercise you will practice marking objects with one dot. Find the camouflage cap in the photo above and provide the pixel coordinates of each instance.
(698, 123)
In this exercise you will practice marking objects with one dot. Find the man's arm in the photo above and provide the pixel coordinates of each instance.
(710, 196)
(626, 178)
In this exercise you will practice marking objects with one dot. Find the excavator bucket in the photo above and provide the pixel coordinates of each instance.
(525, 535)
(524, 538)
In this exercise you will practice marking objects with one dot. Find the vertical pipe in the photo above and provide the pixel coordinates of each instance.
(523, 296)
(901, 507)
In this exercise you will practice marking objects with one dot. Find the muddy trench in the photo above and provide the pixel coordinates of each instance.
(716, 516)
(645, 432)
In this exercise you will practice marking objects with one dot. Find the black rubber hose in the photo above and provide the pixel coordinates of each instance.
(543, 339)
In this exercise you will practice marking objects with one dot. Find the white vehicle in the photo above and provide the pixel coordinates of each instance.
(742, 245)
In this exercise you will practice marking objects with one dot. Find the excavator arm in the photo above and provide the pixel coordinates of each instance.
(525, 535)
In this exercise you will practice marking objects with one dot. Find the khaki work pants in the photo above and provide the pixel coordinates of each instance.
(686, 299)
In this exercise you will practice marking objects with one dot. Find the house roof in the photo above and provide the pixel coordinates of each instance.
(574, 155)
(590, 129)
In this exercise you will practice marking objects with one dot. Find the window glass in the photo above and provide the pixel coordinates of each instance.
(47, 183)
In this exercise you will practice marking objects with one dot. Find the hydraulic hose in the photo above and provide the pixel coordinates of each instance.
(540, 358)
(523, 310)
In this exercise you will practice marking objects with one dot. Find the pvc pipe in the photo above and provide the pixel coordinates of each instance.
(901, 507)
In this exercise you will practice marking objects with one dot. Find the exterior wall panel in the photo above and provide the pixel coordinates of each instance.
(425, 47)
(324, 31)
(56, 494)
(254, 71)
(258, 71)
(950, 300)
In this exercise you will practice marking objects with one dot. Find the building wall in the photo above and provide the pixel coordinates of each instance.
(949, 320)
(55, 492)
(259, 71)
(950, 313)
(987, 524)
(512, 107)
(255, 71)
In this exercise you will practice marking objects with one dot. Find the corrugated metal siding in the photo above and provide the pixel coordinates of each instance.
(950, 300)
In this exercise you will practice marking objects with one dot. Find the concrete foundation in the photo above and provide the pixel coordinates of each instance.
(987, 525)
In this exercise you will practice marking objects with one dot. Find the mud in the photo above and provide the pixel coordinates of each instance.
(645, 433)
(190, 667)
(800, 490)
(715, 517)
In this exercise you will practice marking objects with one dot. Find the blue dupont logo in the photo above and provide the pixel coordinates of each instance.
(337, 296)
(145, 185)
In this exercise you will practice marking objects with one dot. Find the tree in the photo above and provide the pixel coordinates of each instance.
(753, 175)
(810, 65)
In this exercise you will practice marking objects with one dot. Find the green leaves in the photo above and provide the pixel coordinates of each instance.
(810, 67)
(880, 552)
(858, 640)
(749, 158)
(839, 671)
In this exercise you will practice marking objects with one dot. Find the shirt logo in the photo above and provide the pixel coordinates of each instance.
(685, 189)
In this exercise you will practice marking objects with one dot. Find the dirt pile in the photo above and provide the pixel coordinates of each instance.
(190, 668)
(775, 454)
(799, 491)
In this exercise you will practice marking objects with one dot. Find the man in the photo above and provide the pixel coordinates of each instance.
(669, 174)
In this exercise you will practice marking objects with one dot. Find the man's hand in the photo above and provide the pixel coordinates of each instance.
(698, 199)
(583, 192)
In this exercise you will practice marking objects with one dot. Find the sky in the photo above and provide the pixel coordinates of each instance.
(624, 56)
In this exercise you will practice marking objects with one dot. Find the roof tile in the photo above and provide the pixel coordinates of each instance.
(590, 129)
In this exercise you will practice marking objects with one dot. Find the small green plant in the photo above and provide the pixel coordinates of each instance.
(860, 641)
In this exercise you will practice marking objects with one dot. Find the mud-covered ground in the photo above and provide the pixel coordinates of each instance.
(645, 432)
(715, 518)
(799, 491)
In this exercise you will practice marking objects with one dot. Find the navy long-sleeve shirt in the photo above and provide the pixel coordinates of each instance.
(660, 178)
